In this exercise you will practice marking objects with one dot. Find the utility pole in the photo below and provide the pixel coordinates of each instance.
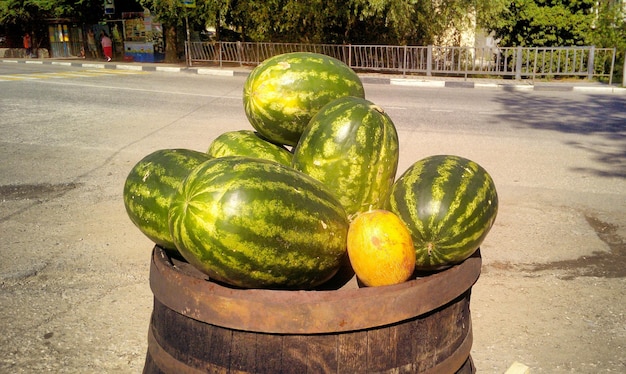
(188, 4)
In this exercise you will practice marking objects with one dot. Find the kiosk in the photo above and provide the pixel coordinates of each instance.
(143, 38)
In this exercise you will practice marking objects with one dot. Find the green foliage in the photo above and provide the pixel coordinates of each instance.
(174, 13)
(551, 23)
(355, 21)
(392, 20)
(15, 12)
(313, 21)
(415, 22)
(543, 23)
(610, 32)
(610, 27)
(410, 22)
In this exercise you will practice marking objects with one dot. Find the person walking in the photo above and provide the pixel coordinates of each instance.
(91, 44)
(107, 46)
(28, 46)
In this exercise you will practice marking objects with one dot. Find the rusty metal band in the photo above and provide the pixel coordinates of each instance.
(187, 291)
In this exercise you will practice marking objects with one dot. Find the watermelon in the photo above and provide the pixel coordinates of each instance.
(248, 143)
(282, 93)
(449, 204)
(351, 145)
(255, 223)
(149, 186)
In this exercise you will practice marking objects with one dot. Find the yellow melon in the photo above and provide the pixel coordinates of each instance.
(380, 248)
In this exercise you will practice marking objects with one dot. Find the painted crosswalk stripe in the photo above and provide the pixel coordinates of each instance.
(68, 74)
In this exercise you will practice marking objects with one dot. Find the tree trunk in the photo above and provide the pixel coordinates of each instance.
(171, 52)
(218, 26)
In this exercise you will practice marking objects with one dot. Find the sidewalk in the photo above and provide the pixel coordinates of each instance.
(370, 78)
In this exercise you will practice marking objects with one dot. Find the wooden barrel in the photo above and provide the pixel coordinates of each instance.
(199, 326)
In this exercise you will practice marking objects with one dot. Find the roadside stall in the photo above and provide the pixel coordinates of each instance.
(143, 38)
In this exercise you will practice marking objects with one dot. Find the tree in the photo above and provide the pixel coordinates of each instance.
(317, 21)
(28, 11)
(544, 23)
(314, 21)
(609, 31)
(355, 21)
(170, 14)
(173, 15)
(19, 16)
(419, 22)
(553, 23)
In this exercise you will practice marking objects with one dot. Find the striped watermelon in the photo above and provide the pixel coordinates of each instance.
(351, 145)
(282, 94)
(150, 185)
(449, 204)
(248, 143)
(255, 223)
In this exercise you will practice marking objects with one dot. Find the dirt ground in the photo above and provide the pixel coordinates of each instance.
(561, 316)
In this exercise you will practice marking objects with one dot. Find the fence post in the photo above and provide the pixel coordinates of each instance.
(518, 63)
(466, 62)
(219, 52)
(239, 47)
(350, 55)
(535, 63)
(590, 62)
(187, 54)
(404, 61)
(429, 60)
(612, 66)
(624, 71)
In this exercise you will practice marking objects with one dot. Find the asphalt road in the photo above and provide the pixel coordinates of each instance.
(74, 294)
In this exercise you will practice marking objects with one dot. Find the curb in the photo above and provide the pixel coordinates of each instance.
(411, 82)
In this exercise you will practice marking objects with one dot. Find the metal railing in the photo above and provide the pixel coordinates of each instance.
(518, 62)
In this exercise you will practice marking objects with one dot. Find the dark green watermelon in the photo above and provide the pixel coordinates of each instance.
(351, 145)
(282, 94)
(248, 143)
(255, 223)
(150, 185)
(449, 204)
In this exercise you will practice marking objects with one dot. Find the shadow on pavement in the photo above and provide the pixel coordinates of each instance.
(601, 115)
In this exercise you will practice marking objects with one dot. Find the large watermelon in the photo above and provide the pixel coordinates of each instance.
(248, 143)
(149, 186)
(282, 94)
(449, 204)
(351, 145)
(258, 224)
